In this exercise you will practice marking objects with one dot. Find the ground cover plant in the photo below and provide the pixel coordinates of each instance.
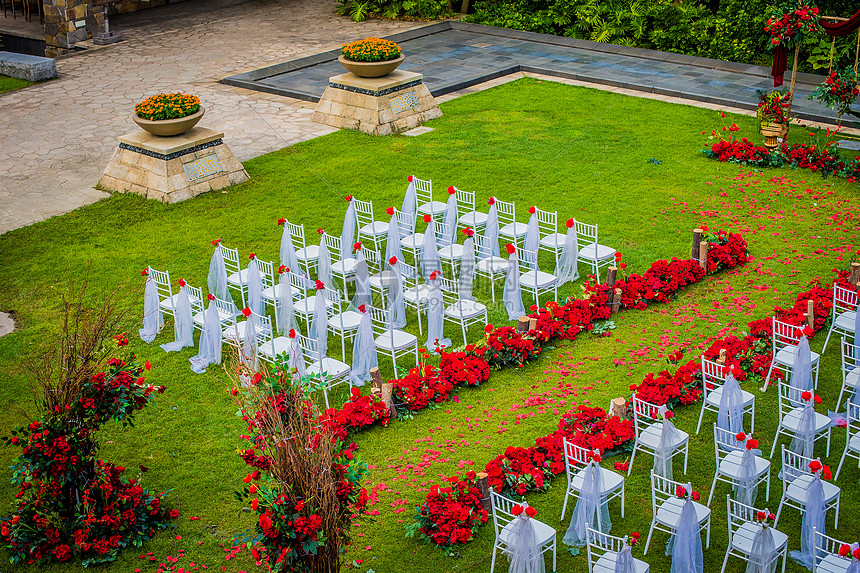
(8, 84)
(533, 142)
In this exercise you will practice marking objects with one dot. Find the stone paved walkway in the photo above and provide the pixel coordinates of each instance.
(56, 138)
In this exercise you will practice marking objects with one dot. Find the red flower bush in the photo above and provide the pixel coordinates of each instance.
(450, 514)
(358, 412)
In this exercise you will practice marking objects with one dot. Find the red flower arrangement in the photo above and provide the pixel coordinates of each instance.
(491, 201)
(281, 222)
(510, 248)
(390, 211)
(450, 515)
(427, 218)
(787, 23)
(358, 412)
(182, 283)
(452, 190)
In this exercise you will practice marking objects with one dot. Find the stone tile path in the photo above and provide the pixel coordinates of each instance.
(57, 137)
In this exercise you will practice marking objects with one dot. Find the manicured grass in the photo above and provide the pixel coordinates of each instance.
(8, 84)
(584, 152)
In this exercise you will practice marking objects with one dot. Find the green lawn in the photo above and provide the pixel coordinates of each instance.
(584, 152)
(8, 84)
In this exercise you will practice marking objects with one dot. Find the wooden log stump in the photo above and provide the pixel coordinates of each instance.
(854, 278)
(618, 407)
(697, 239)
(810, 313)
(387, 398)
(523, 324)
(532, 323)
(483, 484)
(616, 301)
(721, 359)
(611, 275)
(703, 255)
(375, 380)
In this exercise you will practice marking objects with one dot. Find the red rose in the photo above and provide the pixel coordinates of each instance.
(452, 190)
(210, 296)
(808, 331)
(348, 198)
(806, 396)
(680, 491)
(844, 550)
(182, 282)
(491, 201)
(752, 444)
(144, 272)
(319, 284)
(392, 261)
(283, 269)
(427, 218)
(815, 465)
(362, 309)
(357, 246)
(510, 248)
(252, 256)
(390, 210)
(468, 231)
(618, 256)
(532, 210)
(433, 275)
(570, 223)
(740, 436)
(530, 511)
(216, 242)
(696, 496)
(817, 399)
(246, 311)
(320, 231)
(292, 333)
(669, 414)
(281, 221)
(517, 509)
(410, 178)
(255, 503)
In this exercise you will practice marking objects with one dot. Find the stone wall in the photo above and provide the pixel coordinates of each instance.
(71, 21)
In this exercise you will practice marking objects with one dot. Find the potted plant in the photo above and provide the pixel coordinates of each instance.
(839, 91)
(772, 110)
(371, 57)
(170, 114)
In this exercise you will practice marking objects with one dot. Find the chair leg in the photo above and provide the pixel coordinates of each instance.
(767, 378)
(701, 415)
(779, 510)
(632, 457)
(564, 505)
(686, 456)
(713, 486)
(828, 442)
(493, 562)
(622, 500)
(708, 538)
(650, 533)
(725, 560)
(836, 522)
(767, 489)
(826, 340)
(842, 461)
(773, 447)
(752, 418)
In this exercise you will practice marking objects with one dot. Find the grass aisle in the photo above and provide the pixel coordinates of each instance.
(583, 152)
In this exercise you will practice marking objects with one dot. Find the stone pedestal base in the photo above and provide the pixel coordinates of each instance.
(378, 106)
(172, 169)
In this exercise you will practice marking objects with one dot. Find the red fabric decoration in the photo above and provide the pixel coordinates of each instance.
(841, 28)
(246, 311)
(780, 64)
(390, 210)
(510, 248)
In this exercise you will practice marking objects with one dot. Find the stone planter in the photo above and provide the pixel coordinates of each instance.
(169, 127)
(371, 69)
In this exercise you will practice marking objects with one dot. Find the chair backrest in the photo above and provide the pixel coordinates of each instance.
(479, 240)
(644, 413)
(853, 426)
(844, 299)
(712, 376)
(195, 295)
(267, 273)
(784, 335)
(450, 290)
(363, 212)
(824, 547)
(333, 244)
(231, 259)
(574, 456)
(445, 233)
(794, 465)
(381, 319)
(586, 233)
(162, 283)
(373, 258)
(790, 398)
(662, 489)
(465, 201)
(850, 357)
(726, 441)
(599, 544)
(405, 223)
(263, 326)
(507, 212)
(738, 513)
(502, 507)
(527, 260)
(310, 347)
(423, 191)
(547, 222)
(297, 235)
(225, 307)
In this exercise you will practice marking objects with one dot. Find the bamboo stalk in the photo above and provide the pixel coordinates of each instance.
(793, 81)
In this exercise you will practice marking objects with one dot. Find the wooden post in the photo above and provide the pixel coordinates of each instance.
(810, 313)
(464, 7)
(793, 80)
(855, 273)
(616, 301)
(483, 484)
(387, 393)
(611, 275)
(722, 357)
(523, 324)
(532, 323)
(703, 255)
(697, 238)
(618, 407)
(376, 379)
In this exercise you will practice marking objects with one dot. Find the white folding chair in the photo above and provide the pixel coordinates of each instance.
(796, 479)
(791, 405)
(411, 243)
(369, 229)
(591, 252)
(712, 393)
(844, 313)
(236, 275)
(490, 267)
(850, 370)
(550, 239)
(381, 281)
(267, 271)
(415, 295)
(234, 333)
(341, 322)
(728, 452)
(784, 348)
(465, 312)
(166, 298)
(226, 312)
(392, 341)
(452, 253)
(307, 255)
(603, 550)
(575, 458)
(648, 431)
(328, 370)
(468, 217)
(195, 297)
(343, 269)
(535, 280)
(271, 294)
(825, 554)
(503, 524)
(742, 531)
(509, 227)
(666, 509)
(424, 198)
(271, 347)
(852, 437)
